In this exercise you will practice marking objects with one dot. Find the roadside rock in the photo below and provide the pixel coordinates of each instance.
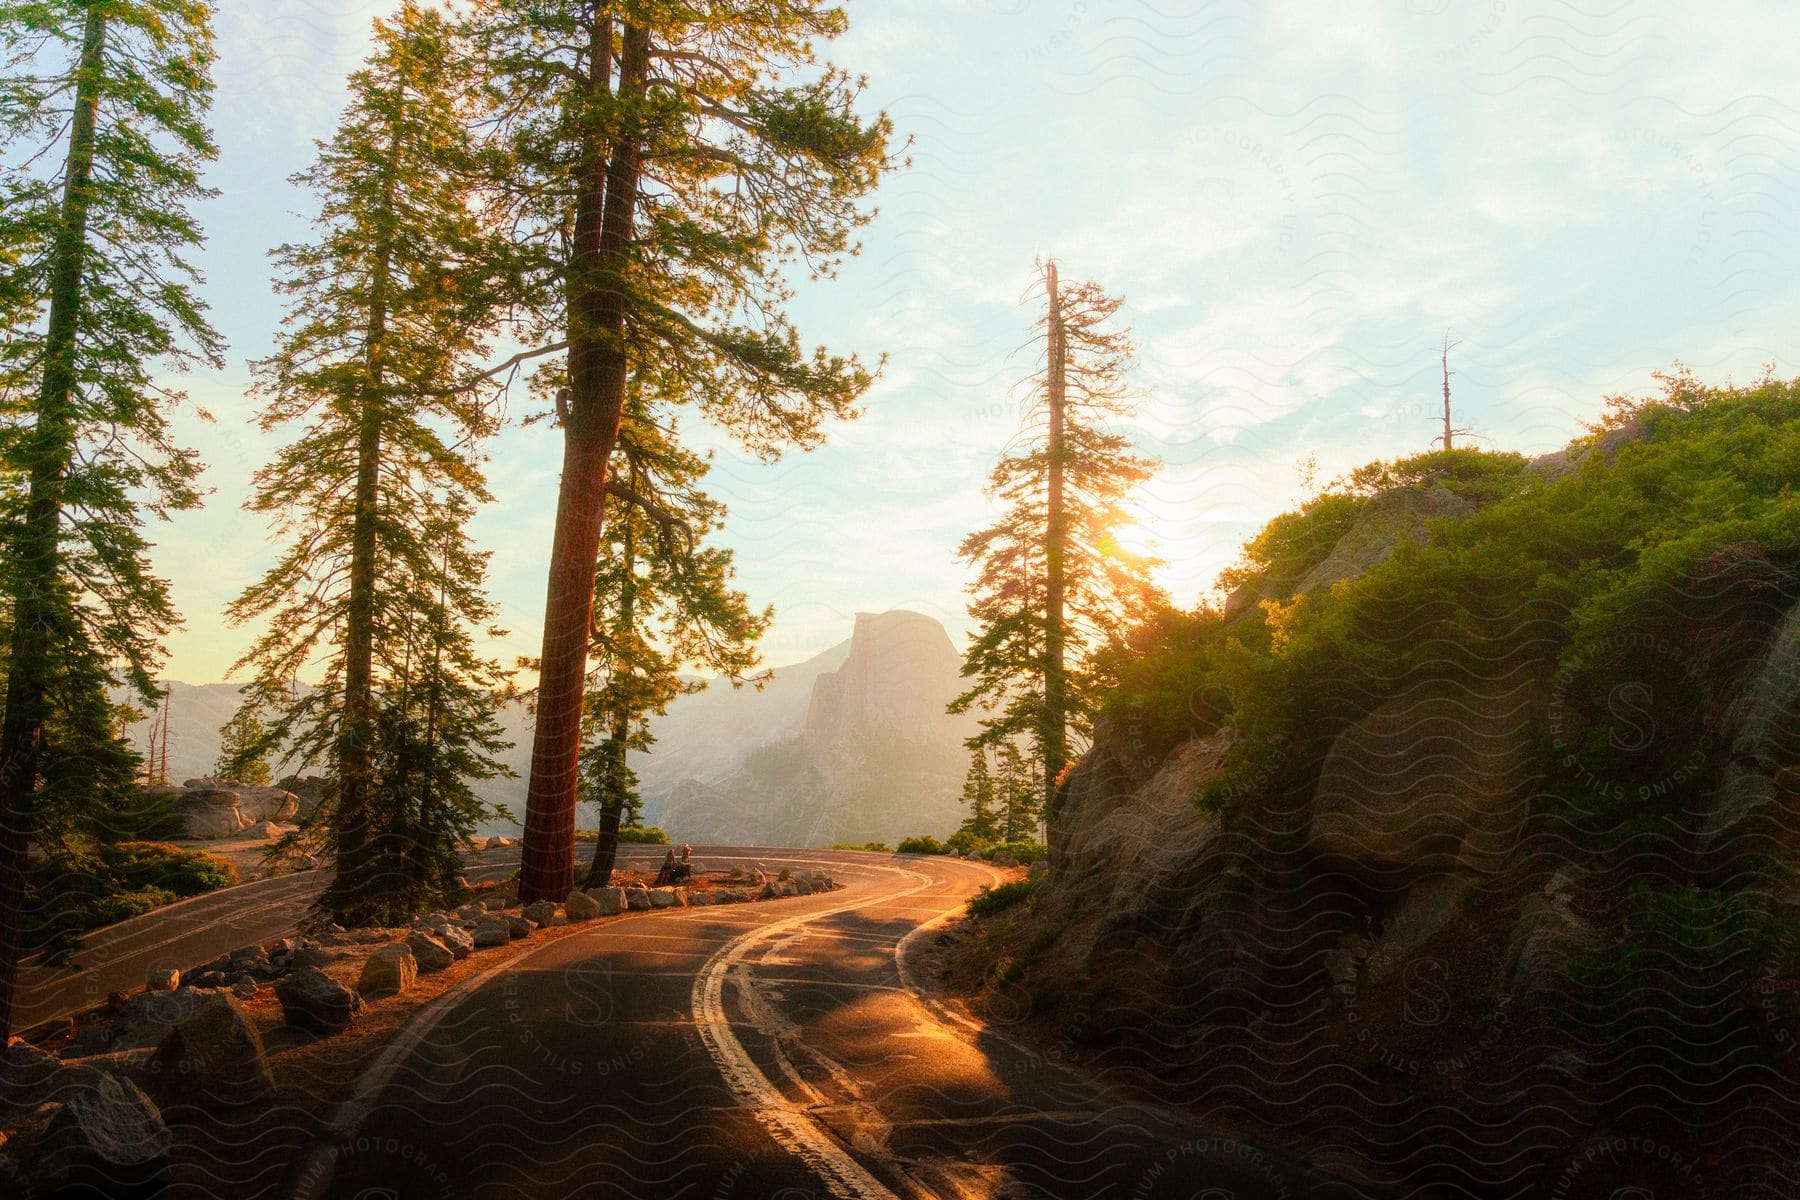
(610, 899)
(541, 914)
(430, 953)
(665, 897)
(519, 927)
(215, 1056)
(314, 1001)
(147, 1017)
(580, 907)
(472, 912)
(497, 843)
(637, 898)
(496, 931)
(108, 1139)
(162, 979)
(455, 939)
(389, 971)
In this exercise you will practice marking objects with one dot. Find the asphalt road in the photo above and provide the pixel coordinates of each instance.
(772, 1051)
(119, 957)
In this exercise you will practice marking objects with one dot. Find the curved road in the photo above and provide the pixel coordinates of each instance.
(765, 1051)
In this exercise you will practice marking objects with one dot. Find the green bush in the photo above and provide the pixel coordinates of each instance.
(75, 892)
(1025, 852)
(873, 847)
(991, 900)
(643, 835)
(922, 844)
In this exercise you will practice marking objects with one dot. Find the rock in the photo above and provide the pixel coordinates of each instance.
(664, 897)
(315, 956)
(1037, 870)
(267, 831)
(519, 927)
(610, 899)
(207, 815)
(243, 986)
(162, 979)
(315, 1002)
(428, 952)
(1004, 858)
(700, 898)
(495, 931)
(270, 804)
(637, 898)
(770, 890)
(245, 957)
(1546, 940)
(580, 907)
(308, 791)
(30, 1077)
(472, 912)
(1428, 908)
(146, 1018)
(541, 913)
(497, 843)
(214, 1056)
(455, 939)
(493, 901)
(1434, 782)
(389, 971)
(108, 1139)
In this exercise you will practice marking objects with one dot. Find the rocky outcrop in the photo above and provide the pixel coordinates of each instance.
(211, 810)
(1438, 779)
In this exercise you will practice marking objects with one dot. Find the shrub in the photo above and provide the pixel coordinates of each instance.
(991, 900)
(73, 893)
(1025, 852)
(922, 844)
(643, 835)
(873, 847)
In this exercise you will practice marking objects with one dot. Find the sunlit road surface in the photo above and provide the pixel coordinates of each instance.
(186, 934)
(766, 1051)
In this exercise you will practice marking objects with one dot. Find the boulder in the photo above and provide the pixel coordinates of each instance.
(581, 907)
(30, 1077)
(267, 831)
(108, 1139)
(1428, 908)
(146, 1018)
(454, 939)
(308, 791)
(1436, 781)
(610, 899)
(493, 901)
(541, 913)
(207, 814)
(214, 1056)
(162, 979)
(272, 804)
(430, 953)
(519, 927)
(472, 912)
(390, 970)
(315, 1002)
(637, 898)
(700, 898)
(1546, 940)
(1004, 858)
(497, 843)
(495, 931)
(664, 897)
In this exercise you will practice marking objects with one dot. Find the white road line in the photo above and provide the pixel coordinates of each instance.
(788, 1124)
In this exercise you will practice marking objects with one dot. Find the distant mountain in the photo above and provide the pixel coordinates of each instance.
(851, 745)
(873, 756)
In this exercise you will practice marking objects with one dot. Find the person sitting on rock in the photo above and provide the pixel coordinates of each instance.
(666, 875)
(684, 867)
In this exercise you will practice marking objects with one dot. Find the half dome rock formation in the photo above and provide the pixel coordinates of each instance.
(872, 756)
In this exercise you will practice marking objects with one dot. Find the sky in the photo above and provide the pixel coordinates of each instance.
(1297, 202)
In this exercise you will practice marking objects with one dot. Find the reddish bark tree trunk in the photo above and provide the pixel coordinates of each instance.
(598, 371)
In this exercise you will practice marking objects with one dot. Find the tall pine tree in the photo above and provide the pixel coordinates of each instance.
(666, 166)
(664, 608)
(377, 592)
(1053, 583)
(103, 110)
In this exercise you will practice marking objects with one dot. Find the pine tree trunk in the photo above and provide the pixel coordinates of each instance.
(612, 805)
(38, 552)
(1054, 737)
(606, 845)
(605, 213)
(351, 895)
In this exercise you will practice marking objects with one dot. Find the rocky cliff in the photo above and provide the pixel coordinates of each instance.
(872, 757)
(1509, 912)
